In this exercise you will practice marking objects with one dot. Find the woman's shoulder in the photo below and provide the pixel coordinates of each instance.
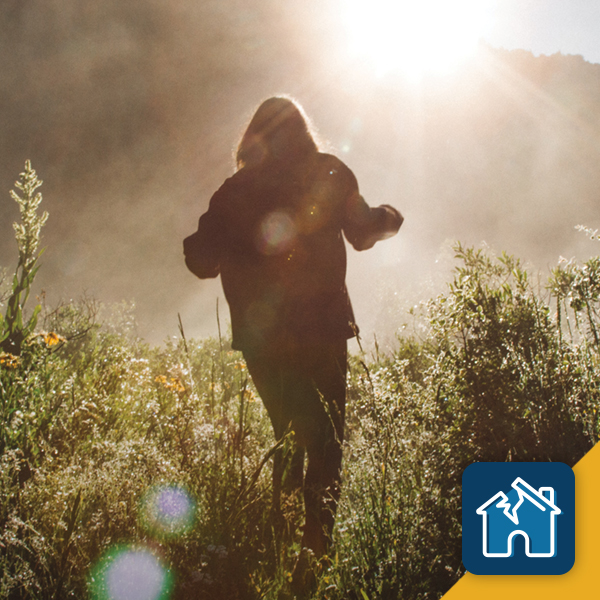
(332, 166)
(233, 186)
(239, 179)
(331, 160)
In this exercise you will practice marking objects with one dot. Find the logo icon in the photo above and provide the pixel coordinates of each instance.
(524, 511)
(518, 518)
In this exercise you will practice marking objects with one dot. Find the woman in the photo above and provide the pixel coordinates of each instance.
(273, 231)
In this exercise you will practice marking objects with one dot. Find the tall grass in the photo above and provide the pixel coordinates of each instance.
(94, 423)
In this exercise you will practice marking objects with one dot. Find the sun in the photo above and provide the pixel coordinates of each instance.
(415, 36)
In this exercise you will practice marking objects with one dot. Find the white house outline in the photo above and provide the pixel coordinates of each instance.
(539, 500)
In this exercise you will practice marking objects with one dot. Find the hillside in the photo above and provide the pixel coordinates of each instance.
(124, 466)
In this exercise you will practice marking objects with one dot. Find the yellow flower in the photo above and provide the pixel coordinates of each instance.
(52, 339)
(172, 383)
(9, 361)
(176, 385)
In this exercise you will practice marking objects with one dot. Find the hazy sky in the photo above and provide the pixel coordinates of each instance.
(130, 109)
(548, 26)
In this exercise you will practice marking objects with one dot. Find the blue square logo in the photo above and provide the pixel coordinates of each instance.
(518, 518)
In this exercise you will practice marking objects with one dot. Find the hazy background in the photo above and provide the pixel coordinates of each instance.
(129, 111)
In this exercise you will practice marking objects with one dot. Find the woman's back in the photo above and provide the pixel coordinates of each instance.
(282, 257)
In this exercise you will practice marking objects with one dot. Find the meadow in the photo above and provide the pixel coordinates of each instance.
(139, 472)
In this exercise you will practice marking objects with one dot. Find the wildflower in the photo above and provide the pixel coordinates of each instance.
(13, 328)
(173, 384)
(9, 361)
(52, 339)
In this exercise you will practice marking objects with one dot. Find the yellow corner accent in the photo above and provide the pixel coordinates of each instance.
(581, 581)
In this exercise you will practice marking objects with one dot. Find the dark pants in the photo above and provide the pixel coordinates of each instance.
(307, 389)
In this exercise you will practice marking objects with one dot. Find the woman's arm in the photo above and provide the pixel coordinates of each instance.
(203, 249)
(364, 225)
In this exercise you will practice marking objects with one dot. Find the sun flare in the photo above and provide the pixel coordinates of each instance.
(416, 36)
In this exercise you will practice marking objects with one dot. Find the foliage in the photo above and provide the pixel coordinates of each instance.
(506, 379)
(94, 422)
(13, 328)
(494, 378)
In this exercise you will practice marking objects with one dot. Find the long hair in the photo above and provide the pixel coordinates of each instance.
(278, 134)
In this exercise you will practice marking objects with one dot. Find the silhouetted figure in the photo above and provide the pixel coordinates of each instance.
(274, 233)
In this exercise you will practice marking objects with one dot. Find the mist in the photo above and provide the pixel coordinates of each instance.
(129, 112)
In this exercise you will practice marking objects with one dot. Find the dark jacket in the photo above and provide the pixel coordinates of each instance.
(276, 239)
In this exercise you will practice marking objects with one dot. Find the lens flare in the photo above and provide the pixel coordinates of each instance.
(277, 233)
(130, 573)
(167, 511)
